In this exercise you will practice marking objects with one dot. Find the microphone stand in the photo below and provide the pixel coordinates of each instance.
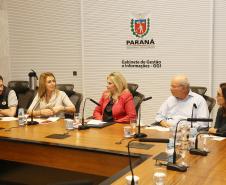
(194, 106)
(83, 126)
(139, 134)
(173, 165)
(196, 151)
(32, 122)
(155, 140)
(130, 161)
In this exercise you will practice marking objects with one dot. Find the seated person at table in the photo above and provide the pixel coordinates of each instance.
(180, 105)
(220, 123)
(50, 101)
(8, 100)
(116, 103)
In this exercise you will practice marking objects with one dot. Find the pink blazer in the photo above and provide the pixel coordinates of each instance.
(123, 110)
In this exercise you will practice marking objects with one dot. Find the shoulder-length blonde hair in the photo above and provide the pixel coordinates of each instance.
(42, 83)
(120, 84)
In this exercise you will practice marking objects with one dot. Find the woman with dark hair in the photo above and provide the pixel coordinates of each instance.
(220, 123)
(50, 101)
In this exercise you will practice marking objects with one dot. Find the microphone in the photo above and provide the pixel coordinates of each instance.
(200, 119)
(32, 122)
(154, 140)
(139, 134)
(85, 126)
(94, 101)
(196, 151)
(173, 165)
(130, 161)
(193, 106)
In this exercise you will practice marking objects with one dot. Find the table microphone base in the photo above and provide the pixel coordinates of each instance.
(83, 127)
(176, 167)
(140, 135)
(196, 151)
(32, 123)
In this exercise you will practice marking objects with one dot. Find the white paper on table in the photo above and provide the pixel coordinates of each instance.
(48, 120)
(44, 121)
(159, 128)
(215, 138)
(8, 119)
(53, 119)
(95, 122)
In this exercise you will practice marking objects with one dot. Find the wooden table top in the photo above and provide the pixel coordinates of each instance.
(202, 170)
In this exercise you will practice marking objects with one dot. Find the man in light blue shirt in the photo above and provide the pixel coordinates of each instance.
(181, 104)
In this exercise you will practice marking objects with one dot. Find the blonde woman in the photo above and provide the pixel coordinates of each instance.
(50, 101)
(116, 103)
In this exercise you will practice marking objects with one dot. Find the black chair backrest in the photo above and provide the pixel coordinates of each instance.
(75, 97)
(132, 88)
(210, 102)
(24, 94)
(198, 89)
(138, 98)
(67, 88)
(19, 86)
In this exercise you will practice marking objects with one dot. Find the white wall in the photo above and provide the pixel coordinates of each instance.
(4, 43)
(183, 38)
(219, 46)
(46, 36)
(89, 37)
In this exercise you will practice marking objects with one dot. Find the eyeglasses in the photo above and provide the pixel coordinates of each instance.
(175, 86)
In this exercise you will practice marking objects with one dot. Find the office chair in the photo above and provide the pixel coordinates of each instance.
(75, 97)
(132, 88)
(198, 89)
(137, 96)
(210, 102)
(24, 94)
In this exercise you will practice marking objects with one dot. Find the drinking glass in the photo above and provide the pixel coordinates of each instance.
(159, 176)
(204, 143)
(133, 124)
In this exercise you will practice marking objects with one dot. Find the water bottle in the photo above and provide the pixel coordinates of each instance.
(21, 117)
(33, 80)
(183, 142)
(192, 136)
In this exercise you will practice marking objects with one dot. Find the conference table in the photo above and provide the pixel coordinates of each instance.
(97, 151)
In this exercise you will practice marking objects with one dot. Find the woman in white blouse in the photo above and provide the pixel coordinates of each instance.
(50, 101)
